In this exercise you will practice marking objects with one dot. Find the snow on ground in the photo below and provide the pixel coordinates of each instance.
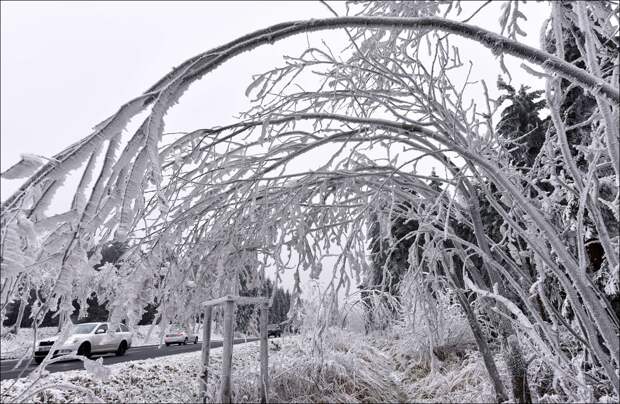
(351, 371)
(165, 379)
(353, 368)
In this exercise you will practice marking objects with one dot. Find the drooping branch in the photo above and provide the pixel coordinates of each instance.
(196, 67)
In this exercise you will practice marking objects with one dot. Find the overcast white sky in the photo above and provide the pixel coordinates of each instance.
(66, 66)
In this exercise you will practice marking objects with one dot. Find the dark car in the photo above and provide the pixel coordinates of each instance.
(274, 330)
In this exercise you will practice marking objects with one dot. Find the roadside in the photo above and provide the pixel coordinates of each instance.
(352, 371)
(14, 368)
(382, 367)
(392, 367)
(15, 346)
(169, 378)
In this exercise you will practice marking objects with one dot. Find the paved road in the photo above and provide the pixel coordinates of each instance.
(7, 370)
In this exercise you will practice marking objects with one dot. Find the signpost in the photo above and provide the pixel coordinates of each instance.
(229, 320)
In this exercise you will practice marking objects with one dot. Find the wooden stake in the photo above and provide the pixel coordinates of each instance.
(206, 348)
(264, 364)
(229, 313)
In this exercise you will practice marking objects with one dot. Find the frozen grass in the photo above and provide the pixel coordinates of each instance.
(434, 353)
(353, 371)
(452, 373)
(457, 374)
(393, 366)
(457, 381)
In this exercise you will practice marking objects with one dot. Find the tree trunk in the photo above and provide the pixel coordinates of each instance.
(487, 355)
(61, 321)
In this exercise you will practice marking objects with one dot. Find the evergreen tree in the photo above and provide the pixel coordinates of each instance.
(520, 124)
(577, 109)
(435, 183)
(389, 256)
(96, 311)
(247, 313)
(578, 105)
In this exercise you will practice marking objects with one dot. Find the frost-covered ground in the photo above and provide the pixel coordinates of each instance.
(350, 372)
(164, 379)
(15, 346)
(345, 367)
(356, 368)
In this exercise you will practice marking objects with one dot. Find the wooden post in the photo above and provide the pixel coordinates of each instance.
(20, 316)
(206, 348)
(229, 320)
(229, 313)
(264, 364)
(61, 320)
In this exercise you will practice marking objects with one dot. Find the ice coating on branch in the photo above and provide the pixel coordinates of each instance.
(27, 166)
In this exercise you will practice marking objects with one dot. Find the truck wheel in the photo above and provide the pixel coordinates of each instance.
(122, 348)
(84, 350)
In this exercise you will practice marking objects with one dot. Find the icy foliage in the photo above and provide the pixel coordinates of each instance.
(514, 247)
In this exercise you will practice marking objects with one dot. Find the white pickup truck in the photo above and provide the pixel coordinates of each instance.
(87, 339)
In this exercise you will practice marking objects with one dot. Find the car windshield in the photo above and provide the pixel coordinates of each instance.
(83, 328)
